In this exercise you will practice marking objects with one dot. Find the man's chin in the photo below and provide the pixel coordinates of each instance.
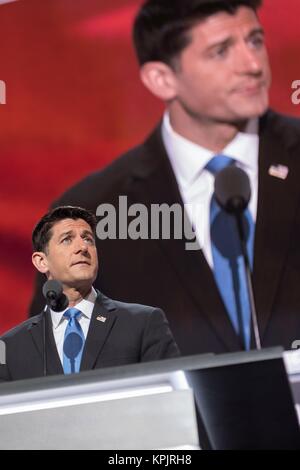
(80, 283)
(252, 110)
(83, 273)
(242, 120)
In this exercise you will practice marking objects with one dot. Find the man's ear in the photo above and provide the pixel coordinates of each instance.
(40, 262)
(160, 80)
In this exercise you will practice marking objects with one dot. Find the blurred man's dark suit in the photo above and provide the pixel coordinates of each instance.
(119, 334)
(164, 273)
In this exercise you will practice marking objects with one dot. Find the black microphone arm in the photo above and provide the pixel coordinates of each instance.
(233, 192)
(57, 301)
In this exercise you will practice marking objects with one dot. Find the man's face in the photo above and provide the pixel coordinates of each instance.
(223, 75)
(71, 256)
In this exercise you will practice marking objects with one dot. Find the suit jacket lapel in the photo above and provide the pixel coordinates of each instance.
(277, 202)
(36, 330)
(102, 320)
(153, 182)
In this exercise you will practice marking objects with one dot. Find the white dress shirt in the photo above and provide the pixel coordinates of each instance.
(196, 184)
(59, 322)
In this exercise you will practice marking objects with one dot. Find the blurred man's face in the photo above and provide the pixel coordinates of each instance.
(224, 75)
(71, 256)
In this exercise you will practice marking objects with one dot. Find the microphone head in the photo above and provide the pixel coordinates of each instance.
(55, 298)
(52, 289)
(232, 189)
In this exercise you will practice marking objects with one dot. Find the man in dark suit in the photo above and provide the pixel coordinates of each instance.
(206, 59)
(93, 331)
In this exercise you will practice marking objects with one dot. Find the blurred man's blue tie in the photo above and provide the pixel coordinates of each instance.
(73, 342)
(229, 268)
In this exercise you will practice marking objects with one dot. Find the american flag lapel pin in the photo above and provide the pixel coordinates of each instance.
(279, 171)
(101, 318)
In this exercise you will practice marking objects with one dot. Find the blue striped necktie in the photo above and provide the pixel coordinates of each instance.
(229, 267)
(73, 342)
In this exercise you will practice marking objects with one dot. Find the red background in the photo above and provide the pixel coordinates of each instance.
(74, 102)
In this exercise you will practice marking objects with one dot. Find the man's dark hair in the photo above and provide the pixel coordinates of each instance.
(161, 28)
(42, 232)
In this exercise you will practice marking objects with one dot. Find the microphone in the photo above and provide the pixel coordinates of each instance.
(232, 189)
(57, 301)
(233, 193)
(55, 298)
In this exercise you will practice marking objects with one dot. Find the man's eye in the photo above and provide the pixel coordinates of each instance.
(221, 52)
(257, 41)
(66, 240)
(89, 240)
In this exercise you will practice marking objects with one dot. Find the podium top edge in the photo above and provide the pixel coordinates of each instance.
(166, 366)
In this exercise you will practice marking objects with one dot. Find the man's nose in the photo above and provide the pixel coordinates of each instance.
(80, 245)
(248, 60)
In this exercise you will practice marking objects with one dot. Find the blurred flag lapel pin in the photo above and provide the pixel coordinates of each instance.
(101, 318)
(279, 171)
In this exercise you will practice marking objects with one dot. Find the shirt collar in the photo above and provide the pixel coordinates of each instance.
(86, 307)
(244, 147)
(189, 159)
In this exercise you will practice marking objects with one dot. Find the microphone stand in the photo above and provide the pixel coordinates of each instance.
(45, 312)
(241, 232)
(57, 304)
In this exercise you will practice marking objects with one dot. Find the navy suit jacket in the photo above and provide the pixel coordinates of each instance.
(125, 334)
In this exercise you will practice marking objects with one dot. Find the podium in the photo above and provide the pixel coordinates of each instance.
(243, 400)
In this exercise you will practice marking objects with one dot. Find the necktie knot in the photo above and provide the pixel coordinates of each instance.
(218, 163)
(72, 313)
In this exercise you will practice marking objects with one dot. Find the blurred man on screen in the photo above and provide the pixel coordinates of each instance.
(207, 61)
